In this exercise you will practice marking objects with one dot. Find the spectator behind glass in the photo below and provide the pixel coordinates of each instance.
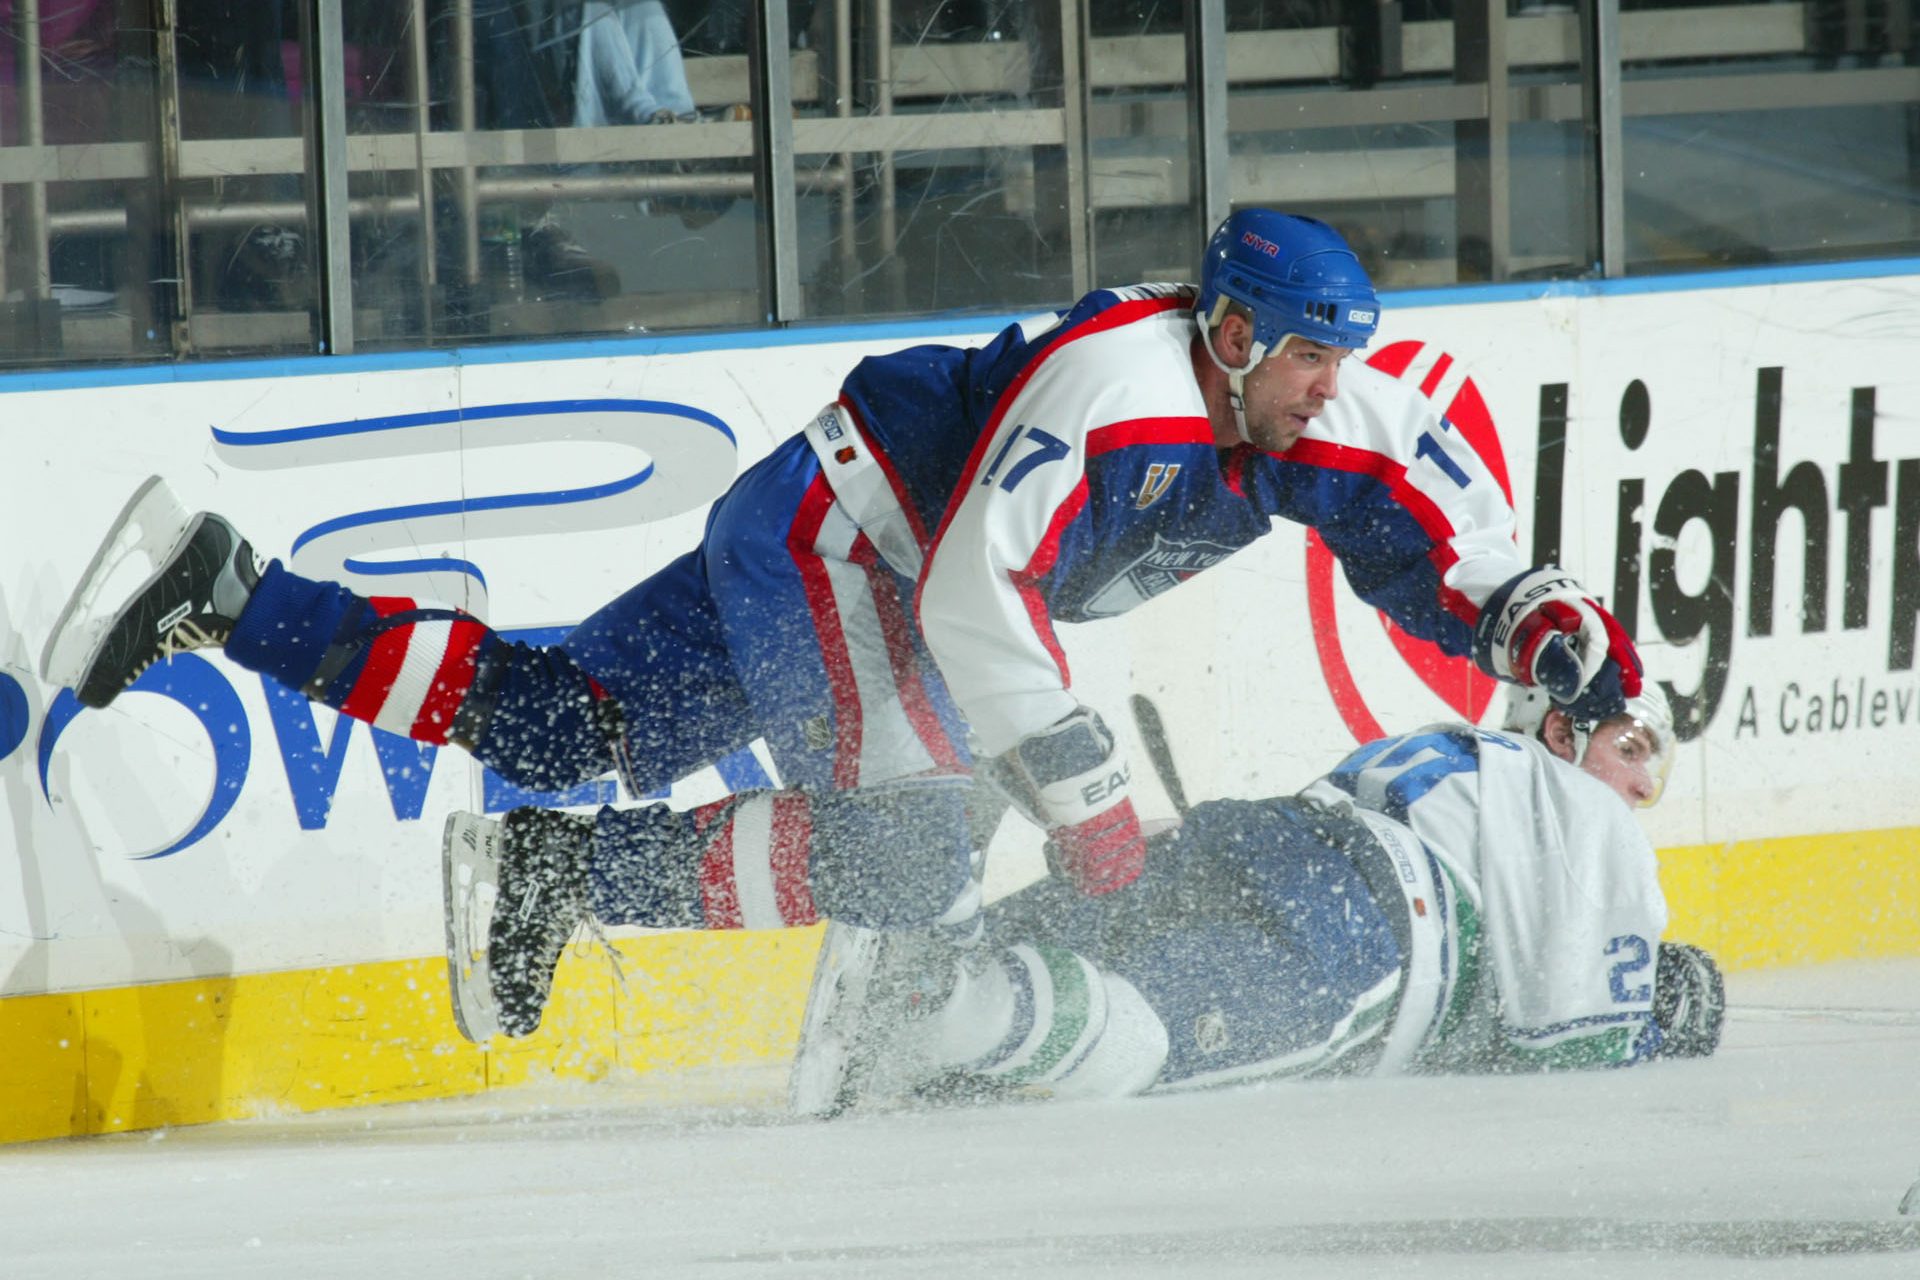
(630, 70)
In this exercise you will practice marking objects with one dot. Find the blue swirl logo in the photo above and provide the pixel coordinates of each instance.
(687, 457)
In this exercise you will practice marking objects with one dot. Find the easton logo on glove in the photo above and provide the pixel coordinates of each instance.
(1541, 628)
(1072, 780)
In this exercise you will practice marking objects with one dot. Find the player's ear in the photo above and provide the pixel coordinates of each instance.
(1557, 732)
(1236, 337)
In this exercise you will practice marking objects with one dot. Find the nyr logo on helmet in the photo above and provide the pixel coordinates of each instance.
(1260, 244)
(1459, 684)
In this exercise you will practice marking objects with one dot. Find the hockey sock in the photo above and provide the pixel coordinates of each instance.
(1044, 1015)
(740, 863)
(387, 660)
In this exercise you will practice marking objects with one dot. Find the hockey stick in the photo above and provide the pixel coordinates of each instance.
(1153, 733)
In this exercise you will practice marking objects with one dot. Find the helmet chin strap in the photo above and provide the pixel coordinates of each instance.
(1236, 378)
(1582, 731)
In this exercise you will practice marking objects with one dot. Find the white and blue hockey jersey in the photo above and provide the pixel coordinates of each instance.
(1534, 897)
(1067, 471)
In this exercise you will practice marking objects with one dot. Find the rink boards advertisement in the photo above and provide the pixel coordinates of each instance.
(1734, 469)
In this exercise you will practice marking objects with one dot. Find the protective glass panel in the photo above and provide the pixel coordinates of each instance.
(1759, 133)
(931, 157)
(585, 169)
(1142, 176)
(250, 283)
(151, 183)
(1441, 158)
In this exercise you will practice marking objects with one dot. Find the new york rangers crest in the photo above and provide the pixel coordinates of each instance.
(1160, 475)
(1165, 566)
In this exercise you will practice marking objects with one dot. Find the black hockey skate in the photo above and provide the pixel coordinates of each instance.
(516, 890)
(198, 575)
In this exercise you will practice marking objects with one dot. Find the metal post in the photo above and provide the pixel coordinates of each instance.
(464, 120)
(33, 133)
(1483, 173)
(326, 103)
(423, 176)
(1600, 84)
(1055, 41)
(172, 196)
(1207, 116)
(1075, 105)
(843, 79)
(773, 186)
(883, 160)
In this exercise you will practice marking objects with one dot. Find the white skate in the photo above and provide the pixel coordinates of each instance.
(141, 540)
(824, 1080)
(470, 872)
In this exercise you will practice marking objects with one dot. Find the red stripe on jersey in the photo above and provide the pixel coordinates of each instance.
(1431, 519)
(450, 681)
(1439, 371)
(802, 538)
(719, 895)
(894, 482)
(791, 846)
(704, 815)
(908, 686)
(385, 656)
(1234, 473)
(1120, 435)
(1027, 580)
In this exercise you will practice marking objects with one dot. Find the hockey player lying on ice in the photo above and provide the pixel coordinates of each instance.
(876, 600)
(1449, 900)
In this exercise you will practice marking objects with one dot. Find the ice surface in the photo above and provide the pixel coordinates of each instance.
(1784, 1156)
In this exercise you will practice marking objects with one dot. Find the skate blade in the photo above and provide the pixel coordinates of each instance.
(469, 870)
(150, 526)
(821, 1082)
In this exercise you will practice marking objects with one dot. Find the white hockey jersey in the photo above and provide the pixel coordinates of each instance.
(1534, 897)
(1067, 472)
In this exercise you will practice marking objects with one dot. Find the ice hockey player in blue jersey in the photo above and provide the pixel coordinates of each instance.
(1452, 899)
(877, 598)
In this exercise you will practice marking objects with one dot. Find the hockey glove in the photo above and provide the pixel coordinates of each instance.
(1071, 779)
(1689, 1001)
(1542, 629)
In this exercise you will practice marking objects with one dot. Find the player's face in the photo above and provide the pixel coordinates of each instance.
(1624, 754)
(1289, 389)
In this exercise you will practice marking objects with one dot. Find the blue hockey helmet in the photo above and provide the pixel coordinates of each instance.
(1295, 275)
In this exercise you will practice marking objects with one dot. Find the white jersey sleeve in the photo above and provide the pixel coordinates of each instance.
(1381, 426)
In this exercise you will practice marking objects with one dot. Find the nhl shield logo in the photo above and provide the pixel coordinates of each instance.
(1210, 1032)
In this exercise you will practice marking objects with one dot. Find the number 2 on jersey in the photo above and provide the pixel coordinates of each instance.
(1638, 956)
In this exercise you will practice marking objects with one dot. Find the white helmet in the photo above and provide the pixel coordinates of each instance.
(1649, 711)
